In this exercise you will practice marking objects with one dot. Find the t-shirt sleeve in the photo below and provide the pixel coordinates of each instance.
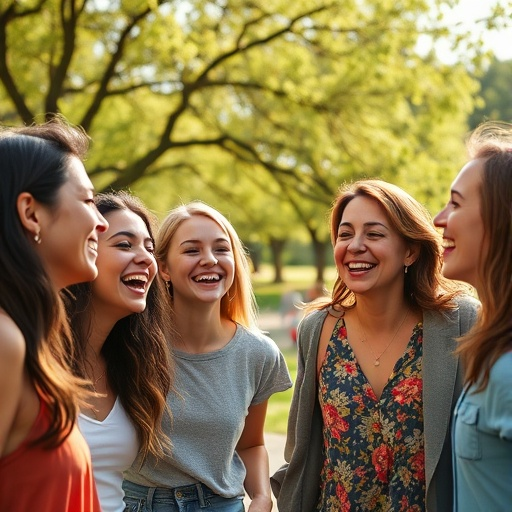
(499, 397)
(274, 375)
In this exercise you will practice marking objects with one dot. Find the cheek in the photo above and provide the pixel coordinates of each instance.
(339, 254)
(153, 269)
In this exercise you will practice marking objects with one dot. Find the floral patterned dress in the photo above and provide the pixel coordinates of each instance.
(373, 448)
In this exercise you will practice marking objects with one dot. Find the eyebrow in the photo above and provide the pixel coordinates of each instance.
(128, 234)
(217, 240)
(455, 193)
(366, 224)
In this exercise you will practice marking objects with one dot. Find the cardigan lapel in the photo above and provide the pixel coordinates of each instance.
(439, 380)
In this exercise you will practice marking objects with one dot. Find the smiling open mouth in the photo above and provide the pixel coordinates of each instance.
(137, 282)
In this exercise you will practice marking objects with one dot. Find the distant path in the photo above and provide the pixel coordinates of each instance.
(271, 322)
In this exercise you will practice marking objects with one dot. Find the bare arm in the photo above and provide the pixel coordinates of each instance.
(252, 451)
(12, 357)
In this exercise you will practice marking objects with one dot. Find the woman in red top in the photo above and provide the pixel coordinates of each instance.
(49, 229)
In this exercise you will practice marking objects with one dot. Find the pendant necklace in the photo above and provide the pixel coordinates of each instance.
(377, 358)
(95, 381)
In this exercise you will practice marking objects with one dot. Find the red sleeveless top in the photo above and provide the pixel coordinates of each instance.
(48, 480)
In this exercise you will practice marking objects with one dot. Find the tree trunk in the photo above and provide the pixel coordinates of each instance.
(277, 247)
(319, 250)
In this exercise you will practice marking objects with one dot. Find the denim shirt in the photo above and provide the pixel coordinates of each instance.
(482, 441)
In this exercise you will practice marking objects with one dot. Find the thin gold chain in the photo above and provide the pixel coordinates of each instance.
(377, 358)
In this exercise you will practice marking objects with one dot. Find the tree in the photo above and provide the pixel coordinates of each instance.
(494, 98)
(301, 95)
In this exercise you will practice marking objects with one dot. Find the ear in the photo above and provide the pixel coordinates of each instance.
(412, 254)
(164, 274)
(28, 213)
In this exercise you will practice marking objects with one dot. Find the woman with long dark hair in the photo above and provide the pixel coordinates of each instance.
(49, 229)
(119, 327)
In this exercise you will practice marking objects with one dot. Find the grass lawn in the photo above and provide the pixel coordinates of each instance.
(268, 296)
(279, 403)
(299, 278)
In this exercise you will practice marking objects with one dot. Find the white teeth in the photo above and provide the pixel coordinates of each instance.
(448, 243)
(93, 245)
(209, 278)
(355, 266)
(136, 277)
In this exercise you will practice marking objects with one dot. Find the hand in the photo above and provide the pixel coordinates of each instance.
(260, 504)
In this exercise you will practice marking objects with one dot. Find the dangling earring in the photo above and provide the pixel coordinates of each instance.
(168, 285)
(37, 238)
(405, 269)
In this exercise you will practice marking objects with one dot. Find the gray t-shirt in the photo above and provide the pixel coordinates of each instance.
(213, 394)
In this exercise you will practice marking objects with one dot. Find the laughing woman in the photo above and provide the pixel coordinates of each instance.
(49, 230)
(120, 335)
(477, 229)
(369, 426)
(225, 372)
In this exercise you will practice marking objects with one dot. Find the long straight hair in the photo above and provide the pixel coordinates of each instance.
(139, 364)
(36, 159)
(491, 335)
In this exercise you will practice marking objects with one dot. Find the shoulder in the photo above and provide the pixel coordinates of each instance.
(313, 320)
(12, 342)
(463, 313)
(467, 305)
(256, 340)
(500, 371)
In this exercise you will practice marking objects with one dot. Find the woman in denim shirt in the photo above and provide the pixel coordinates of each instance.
(477, 224)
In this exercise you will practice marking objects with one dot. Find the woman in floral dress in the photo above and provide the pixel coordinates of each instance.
(377, 381)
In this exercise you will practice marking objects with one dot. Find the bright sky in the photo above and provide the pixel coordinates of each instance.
(463, 18)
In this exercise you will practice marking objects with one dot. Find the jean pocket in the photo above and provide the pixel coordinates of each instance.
(134, 504)
(467, 437)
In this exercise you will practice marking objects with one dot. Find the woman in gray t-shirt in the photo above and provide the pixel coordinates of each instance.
(225, 372)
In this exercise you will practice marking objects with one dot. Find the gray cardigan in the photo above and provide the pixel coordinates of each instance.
(296, 484)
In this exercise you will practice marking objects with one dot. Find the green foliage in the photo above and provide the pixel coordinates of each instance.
(494, 98)
(260, 108)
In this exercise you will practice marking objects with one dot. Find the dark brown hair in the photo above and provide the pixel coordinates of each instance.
(35, 159)
(139, 366)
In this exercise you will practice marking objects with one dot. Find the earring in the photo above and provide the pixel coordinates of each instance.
(37, 238)
(405, 269)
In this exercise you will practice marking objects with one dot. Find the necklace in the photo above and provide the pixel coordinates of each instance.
(97, 379)
(377, 357)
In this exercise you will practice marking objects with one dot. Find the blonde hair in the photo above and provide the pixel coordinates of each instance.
(239, 304)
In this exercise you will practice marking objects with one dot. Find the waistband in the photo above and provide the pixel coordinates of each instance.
(195, 492)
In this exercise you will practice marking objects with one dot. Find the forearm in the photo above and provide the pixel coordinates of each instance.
(257, 480)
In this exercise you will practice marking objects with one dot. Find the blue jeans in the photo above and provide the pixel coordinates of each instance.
(190, 498)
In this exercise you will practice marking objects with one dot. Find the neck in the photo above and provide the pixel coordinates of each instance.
(381, 315)
(201, 328)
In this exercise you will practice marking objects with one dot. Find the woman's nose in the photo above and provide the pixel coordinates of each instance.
(440, 219)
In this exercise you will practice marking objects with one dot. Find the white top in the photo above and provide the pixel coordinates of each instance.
(114, 445)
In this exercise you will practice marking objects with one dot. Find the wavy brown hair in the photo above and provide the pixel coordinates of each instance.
(36, 159)
(491, 335)
(139, 364)
(425, 287)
